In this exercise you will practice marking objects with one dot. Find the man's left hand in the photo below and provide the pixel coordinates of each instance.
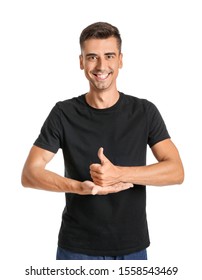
(104, 173)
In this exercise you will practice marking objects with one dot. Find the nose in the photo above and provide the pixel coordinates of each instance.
(101, 64)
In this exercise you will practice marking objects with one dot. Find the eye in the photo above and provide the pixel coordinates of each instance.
(92, 58)
(110, 56)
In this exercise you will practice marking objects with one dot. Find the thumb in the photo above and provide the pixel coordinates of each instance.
(102, 157)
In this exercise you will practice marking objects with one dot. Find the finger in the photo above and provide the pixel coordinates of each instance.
(96, 189)
(96, 167)
(123, 186)
(97, 178)
(114, 189)
(102, 190)
(96, 175)
(101, 156)
(109, 190)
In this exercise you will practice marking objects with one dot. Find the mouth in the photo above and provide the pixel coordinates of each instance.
(101, 76)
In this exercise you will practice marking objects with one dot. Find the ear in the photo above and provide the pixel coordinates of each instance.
(81, 62)
(120, 60)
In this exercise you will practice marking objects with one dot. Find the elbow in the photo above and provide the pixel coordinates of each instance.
(181, 179)
(25, 179)
(180, 176)
(176, 174)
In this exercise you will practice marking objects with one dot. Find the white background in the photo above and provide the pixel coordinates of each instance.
(39, 66)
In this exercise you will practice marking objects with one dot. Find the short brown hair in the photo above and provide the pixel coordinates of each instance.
(100, 30)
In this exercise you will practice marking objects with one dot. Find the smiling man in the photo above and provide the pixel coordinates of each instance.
(104, 136)
(101, 60)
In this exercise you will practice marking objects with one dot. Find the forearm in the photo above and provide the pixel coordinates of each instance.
(35, 175)
(46, 180)
(158, 174)
(39, 178)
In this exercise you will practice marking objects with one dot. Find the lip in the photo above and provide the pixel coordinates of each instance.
(101, 76)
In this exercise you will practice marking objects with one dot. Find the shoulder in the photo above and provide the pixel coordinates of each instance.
(140, 103)
(70, 105)
(72, 102)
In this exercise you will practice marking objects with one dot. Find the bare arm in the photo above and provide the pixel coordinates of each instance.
(34, 175)
(168, 170)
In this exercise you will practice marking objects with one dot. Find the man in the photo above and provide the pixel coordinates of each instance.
(104, 136)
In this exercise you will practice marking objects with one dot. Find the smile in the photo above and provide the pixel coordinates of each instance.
(101, 77)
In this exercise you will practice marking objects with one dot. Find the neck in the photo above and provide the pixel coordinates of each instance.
(102, 99)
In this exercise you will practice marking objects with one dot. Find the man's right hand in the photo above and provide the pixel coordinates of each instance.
(88, 187)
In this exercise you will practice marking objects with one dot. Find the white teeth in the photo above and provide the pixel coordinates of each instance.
(102, 76)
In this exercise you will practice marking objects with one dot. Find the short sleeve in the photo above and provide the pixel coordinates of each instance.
(157, 130)
(50, 136)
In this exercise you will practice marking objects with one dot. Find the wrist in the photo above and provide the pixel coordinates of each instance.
(120, 174)
(73, 186)
(125, 174)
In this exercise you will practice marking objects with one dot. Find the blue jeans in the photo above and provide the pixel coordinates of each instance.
(63, 254)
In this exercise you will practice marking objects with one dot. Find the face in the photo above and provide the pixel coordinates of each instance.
(100, 59)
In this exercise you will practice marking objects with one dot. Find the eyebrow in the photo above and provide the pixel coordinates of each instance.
(94, 54)
(110, 53)
(91, 54)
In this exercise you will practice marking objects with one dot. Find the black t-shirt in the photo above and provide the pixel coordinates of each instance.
(113, 224)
